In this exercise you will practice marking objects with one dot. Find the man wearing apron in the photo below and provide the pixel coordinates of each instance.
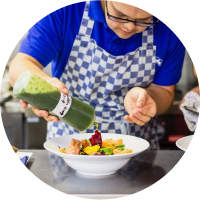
(105, 81)
(109, 113)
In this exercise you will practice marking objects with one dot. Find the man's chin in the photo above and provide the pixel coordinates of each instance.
(123, 36)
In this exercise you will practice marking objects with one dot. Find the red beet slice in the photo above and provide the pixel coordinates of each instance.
(96, 139)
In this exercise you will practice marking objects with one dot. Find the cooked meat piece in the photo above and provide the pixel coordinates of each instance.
(74, 147)
(84, 143)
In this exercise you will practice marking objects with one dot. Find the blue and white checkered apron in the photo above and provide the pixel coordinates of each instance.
(102, 80)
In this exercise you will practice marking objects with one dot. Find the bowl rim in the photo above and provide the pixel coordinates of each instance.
(113, 157)
(182, 139)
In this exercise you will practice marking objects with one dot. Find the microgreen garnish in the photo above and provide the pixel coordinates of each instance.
(89, 142)
(95, 124)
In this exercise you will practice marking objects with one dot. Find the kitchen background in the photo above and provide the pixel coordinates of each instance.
(27, 131)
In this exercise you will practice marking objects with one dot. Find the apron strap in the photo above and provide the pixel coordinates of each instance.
(147, 36)
(86, 23)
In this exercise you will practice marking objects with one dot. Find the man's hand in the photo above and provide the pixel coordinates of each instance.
(140, 106)
(23, 62)
(43, 113)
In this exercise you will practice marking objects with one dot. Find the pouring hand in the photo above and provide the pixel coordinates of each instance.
(43, 113)
(140, 106)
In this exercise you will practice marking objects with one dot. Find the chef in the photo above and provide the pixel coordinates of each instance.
(118, 58)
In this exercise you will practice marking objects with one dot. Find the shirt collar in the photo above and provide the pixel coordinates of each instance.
(95, 12)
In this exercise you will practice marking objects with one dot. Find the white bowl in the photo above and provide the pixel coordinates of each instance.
(184, 142)
(97, 165)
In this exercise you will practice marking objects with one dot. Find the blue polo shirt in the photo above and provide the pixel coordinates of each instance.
(51, 40)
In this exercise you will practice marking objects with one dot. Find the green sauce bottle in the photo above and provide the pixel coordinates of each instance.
(37, 92)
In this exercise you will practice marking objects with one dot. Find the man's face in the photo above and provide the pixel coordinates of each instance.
(125, 11)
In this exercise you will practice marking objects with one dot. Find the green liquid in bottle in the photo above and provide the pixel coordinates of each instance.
(34, 90)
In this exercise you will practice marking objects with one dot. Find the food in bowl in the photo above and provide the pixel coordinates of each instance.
(94, 146)
(97, 165)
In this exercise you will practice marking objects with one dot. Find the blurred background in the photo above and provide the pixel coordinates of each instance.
(27, 131)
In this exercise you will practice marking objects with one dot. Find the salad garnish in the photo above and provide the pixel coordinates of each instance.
(94, 146)
(96, 124)
(96, 139)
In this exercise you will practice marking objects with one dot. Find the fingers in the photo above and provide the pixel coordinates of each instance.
(23, 104)
(148, 110)
(133, 119)
(141, 99)
(41, 113)
(141, 117)
(58, 84)
(51, 118)
(137, 118)
(45, 114)
(140, 106)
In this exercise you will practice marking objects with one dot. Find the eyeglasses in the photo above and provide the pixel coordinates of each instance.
(120, 20)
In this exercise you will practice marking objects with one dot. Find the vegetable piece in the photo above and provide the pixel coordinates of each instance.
(91, 149)
(89, 142)
(61, 150)
(95, 124)
(104, 144)
(82, 147)
(107, 151)
(113, 142)
(96, 139)
(121, 149)
(123, 145)
(83, 153)
(118, 152)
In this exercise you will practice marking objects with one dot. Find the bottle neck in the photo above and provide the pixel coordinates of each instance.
(92, 122)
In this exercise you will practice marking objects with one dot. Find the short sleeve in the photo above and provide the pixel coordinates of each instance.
(44, 39)
(169, 73)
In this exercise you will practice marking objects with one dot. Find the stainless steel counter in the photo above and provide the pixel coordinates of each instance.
(139, 173)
